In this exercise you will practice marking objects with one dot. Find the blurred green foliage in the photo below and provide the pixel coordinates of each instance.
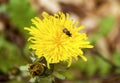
(116, 60)
(20, 14)
(93, 65)
(3, 8)
(105, 26)
(9, 55)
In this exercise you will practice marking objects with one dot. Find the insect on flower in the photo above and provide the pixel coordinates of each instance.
(51, 42)
(65, 30)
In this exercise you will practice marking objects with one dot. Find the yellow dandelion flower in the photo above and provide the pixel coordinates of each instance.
(57, 38)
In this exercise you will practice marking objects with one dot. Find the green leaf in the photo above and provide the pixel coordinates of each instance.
(91, 66)
(3, 8)
(80, 64)
(106, 25)
(9, 55)
(1, 41)
(24, 68)
(21, 13)
(58, 75)
(116, 58)
(32, 80)
(104, 67)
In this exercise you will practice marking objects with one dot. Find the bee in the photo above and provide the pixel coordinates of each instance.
(65, 30)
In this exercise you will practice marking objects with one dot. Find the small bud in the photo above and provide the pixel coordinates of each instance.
(36, 69)
(39, 68)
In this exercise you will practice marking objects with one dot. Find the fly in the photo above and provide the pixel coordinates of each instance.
(65, 30)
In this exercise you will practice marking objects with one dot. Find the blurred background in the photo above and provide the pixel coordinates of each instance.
(102, 24)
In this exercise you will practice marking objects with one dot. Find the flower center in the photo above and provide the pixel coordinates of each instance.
(58, 41)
